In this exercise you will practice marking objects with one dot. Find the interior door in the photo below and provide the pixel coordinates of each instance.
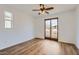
(51, 29)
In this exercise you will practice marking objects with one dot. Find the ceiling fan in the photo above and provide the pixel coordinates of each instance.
(43, 9)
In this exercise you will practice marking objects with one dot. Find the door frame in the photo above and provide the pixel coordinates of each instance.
(50, 27)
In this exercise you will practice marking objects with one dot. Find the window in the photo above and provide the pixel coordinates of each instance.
(8, 19)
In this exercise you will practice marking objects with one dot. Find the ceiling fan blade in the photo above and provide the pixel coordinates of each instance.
(50, 8)
(46, 12)
(36, 10)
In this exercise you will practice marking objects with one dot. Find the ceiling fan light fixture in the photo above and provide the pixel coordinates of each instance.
(42, 12)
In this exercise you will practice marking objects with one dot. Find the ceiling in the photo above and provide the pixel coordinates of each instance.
(57, 8)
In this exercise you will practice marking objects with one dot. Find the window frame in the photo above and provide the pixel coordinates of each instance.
(6, 18)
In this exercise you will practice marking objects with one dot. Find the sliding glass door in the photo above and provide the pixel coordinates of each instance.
(51, 29)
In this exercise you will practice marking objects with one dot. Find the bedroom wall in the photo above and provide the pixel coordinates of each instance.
(22, 30)
(66, 23)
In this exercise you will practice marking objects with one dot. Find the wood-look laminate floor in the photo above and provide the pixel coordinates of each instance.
(40, 47)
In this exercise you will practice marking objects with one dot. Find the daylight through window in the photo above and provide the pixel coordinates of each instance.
(8, 19)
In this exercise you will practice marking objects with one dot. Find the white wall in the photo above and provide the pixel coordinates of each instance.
(77, 24)
(22, 27)
(66, 26)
